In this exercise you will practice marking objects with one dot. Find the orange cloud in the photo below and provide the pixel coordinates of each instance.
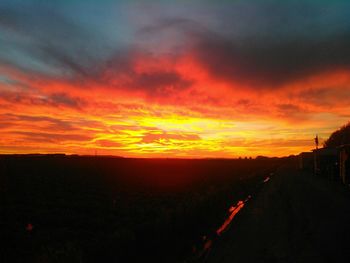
(161, 106)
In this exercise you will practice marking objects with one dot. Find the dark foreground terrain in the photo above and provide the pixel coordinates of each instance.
(294, 218)
(101, 209)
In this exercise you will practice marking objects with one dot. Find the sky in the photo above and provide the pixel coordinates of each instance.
(192, 79)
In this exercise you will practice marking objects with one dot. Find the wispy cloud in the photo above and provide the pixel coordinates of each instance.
(187, 79)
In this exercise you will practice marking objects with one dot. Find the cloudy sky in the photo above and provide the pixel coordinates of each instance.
(172, 78)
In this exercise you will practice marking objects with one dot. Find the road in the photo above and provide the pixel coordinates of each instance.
(295, 217)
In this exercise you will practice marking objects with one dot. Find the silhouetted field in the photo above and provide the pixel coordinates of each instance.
(58, 208)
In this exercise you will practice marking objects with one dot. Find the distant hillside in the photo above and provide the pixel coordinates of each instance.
(339, 137)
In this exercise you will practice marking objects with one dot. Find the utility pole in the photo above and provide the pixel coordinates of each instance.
(315, 156)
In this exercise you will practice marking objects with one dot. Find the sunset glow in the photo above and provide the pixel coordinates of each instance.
(171, 80)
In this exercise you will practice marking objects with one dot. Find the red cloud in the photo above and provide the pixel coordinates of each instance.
(131, 107)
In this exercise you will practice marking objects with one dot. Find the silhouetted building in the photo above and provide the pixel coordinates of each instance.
(344, 164)
(326, 163)
(306, 161)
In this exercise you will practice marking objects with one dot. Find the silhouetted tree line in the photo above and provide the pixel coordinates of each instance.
(339, 137)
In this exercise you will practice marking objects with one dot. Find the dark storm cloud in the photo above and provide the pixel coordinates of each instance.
(42, 40)
(120, 72)
(326, 96)
(53, 100)
(159, 80)
(66, 100)
(272, 63)
(12, 83)
(262, 43)
(259, 43)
